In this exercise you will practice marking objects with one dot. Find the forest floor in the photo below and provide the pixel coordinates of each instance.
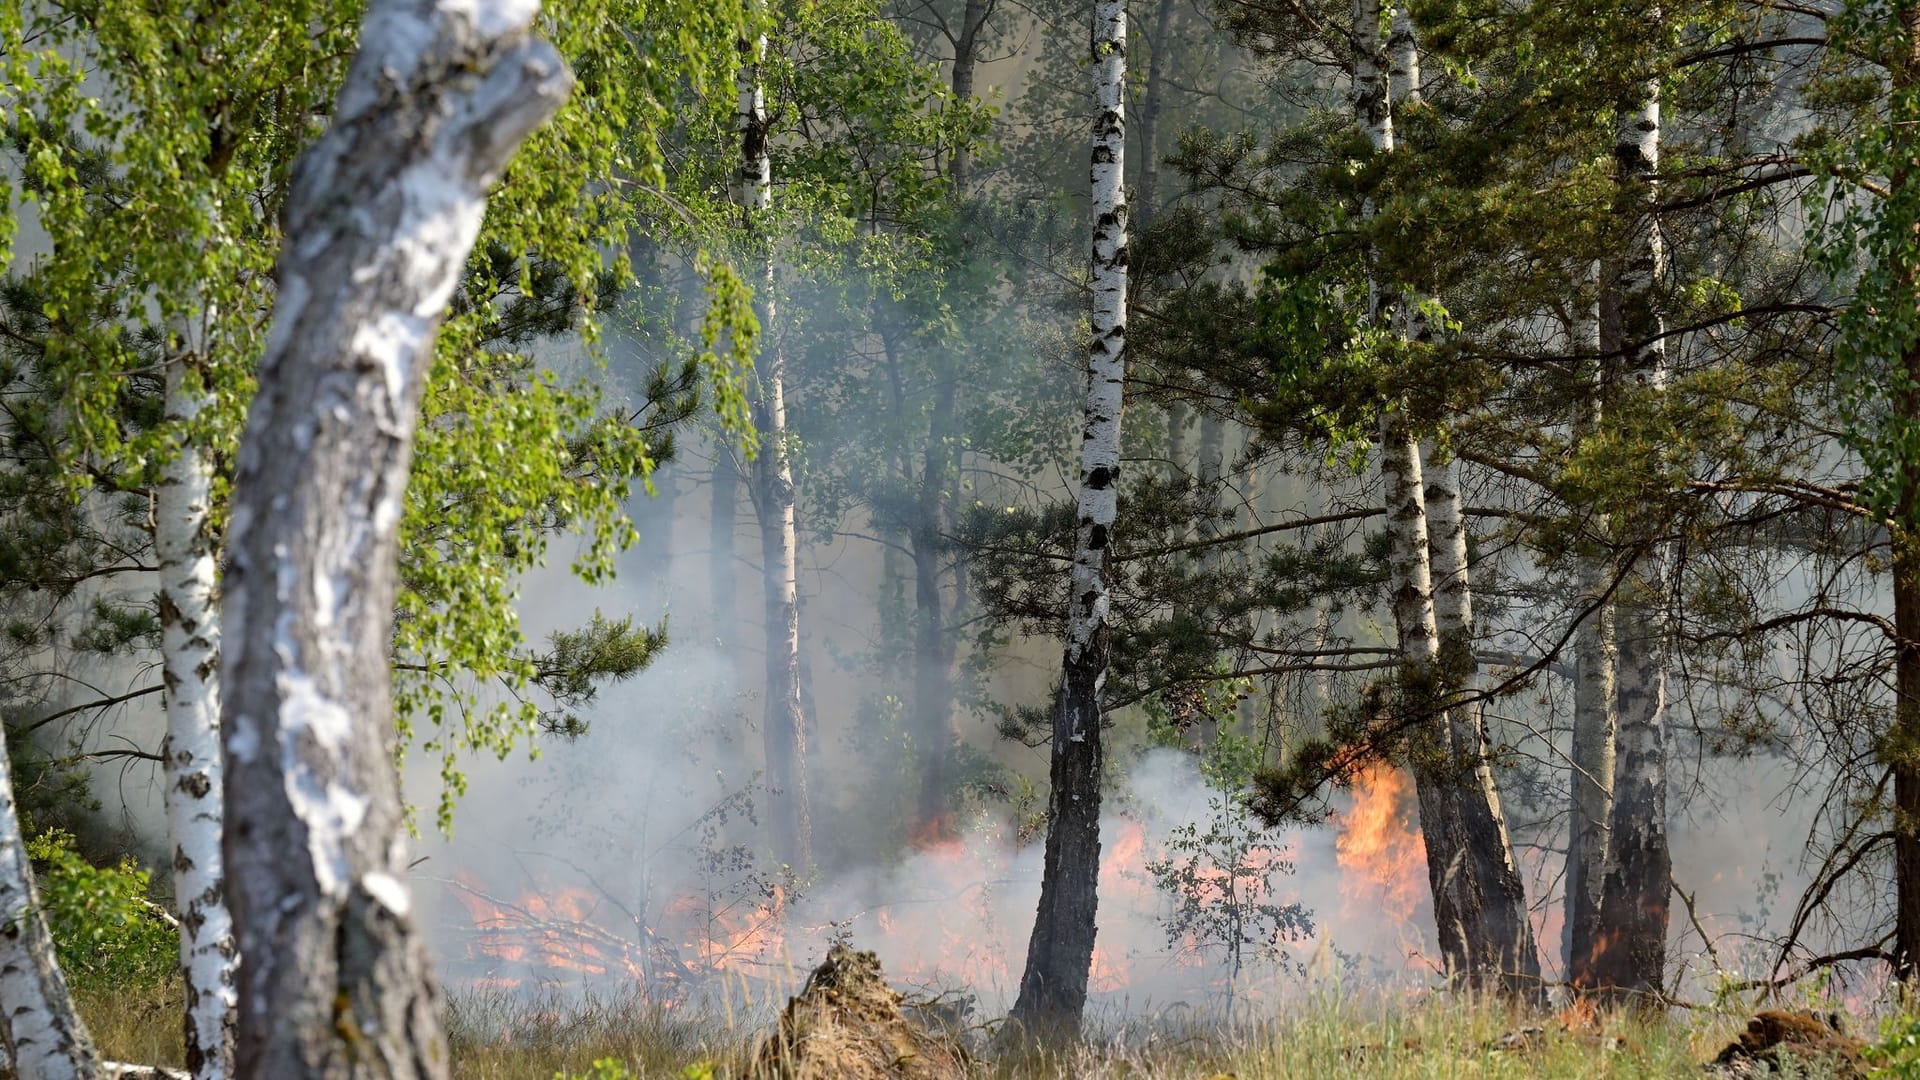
(497, 1037)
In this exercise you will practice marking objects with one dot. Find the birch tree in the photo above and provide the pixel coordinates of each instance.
(190, 658)
(380, 217)
(1630, 951)
(1595, 713)
(1053, 985)
(45, 1035)
(783, 730)
(1479, 905)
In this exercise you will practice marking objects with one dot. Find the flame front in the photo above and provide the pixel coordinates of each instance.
(1381, 854)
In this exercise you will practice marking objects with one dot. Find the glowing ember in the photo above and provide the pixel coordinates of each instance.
(1380, 853)
(933, 832)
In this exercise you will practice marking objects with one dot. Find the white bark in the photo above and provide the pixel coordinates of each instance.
(190, 659)
(1479, 906)
(1595, 721)
(1372, 105)
(382, 213)
(1053, 984)
(1409, 556)
(1634, 904)
(1453, 619)
(783, 733)
(754, 184)
(1107, 357)
(1403, 46)
(46, 1036)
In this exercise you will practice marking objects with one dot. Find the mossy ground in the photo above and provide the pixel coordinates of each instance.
(506, 1037)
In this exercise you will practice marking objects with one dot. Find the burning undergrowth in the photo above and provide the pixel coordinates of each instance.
(1199, 910)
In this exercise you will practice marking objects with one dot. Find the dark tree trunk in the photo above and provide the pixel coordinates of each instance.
(1053, 987)
(720, 546)
(966, 57)
(1487, 905)
(933, 648)
(1903, 743)
(1150, 109)
(1903, 748)
(335, 982)
(1630, 954)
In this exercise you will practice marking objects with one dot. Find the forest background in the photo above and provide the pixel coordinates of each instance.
(1520, 405)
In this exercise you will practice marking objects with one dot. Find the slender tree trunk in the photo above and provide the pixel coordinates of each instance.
(1498, 950)
(966, 56)
(1904, 745)
(783, 729)
(1210, 469)
(655, 546)
(933, 649)
(190, 661)
(1592, 765)
(46, 1037)
(1179, 419)
(722, 519)
(783, 733)
(1630, 951)
(1902, 752)
(1595, 716)
(382, 213)
(1053, 987)
(1148, 139)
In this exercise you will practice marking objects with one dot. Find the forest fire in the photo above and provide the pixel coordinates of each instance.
(550, 930)
(952, 909)
(1380, 853)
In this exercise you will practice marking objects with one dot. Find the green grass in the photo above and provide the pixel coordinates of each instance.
(501, 1037)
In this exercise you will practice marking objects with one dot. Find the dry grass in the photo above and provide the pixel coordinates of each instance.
(136, 1024)
(501, 1037)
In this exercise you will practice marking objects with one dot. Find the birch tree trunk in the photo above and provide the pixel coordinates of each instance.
(382, 213)
(1479, 904)
(1053, 986)
(1595, 716)
(1179, 418)
(783, 732)
(1486, 897)
(190, 661)
(44, 1034)
(1630, 952)
(1592, 764)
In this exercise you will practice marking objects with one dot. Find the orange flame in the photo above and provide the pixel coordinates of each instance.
(934, 832)
(551, 929)
(1380, 851)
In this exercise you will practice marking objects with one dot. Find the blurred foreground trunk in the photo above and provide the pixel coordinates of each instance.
(45, 1035)
(381, 215)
